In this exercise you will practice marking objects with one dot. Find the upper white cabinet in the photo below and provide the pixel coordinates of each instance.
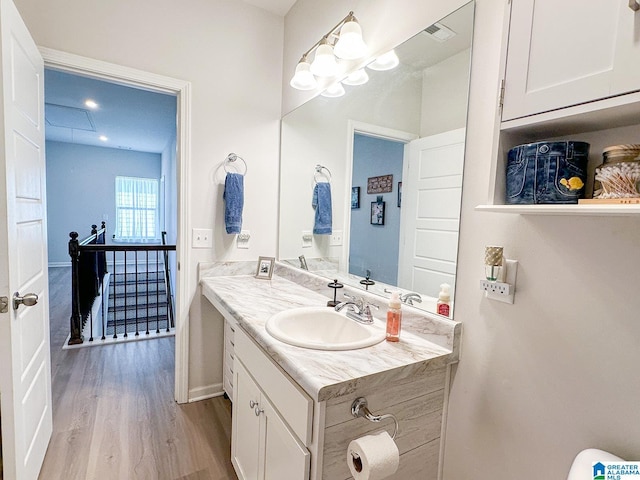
(568, 52)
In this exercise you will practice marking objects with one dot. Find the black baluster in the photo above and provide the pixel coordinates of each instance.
(157, 297)
(75, 321)
(137, 333)
(148, 286)
(103, 306)
(126, 281)
(115, 296)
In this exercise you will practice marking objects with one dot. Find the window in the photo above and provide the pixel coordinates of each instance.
(136, 209)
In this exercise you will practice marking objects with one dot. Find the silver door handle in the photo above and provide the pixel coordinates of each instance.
(28, 300)
(634, 5)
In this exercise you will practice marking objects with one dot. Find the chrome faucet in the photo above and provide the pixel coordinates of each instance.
(410, 297)
(407, 298)
(357, 309)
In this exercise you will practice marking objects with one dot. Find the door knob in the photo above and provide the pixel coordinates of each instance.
(28, 300)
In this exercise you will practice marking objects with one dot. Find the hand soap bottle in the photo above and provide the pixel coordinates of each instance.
(394, 318)
(443, 306)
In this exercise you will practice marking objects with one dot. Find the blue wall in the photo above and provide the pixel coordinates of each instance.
(375, 247)
(81, 189)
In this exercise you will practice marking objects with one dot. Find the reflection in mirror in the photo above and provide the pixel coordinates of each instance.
(395, 150)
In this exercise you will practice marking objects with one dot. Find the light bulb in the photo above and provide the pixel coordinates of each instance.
(324, 63)
(385, 62)
(303, 79)
(333, 91)
(359, 77)
(350, 44)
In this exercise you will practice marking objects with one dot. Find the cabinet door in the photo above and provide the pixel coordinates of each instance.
(284, 456)
(561, 53)
(245, 426)
(627, 60)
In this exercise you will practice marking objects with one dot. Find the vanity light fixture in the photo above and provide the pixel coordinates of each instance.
(344, 41)
(333, 91)
(386, 61)
(359, 77)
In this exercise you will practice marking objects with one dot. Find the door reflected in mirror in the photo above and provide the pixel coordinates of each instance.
(395, 147)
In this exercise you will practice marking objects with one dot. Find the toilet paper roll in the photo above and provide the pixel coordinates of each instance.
(373, 457)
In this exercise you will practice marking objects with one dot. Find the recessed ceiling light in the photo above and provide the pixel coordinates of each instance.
(90, 103)
(103, 138)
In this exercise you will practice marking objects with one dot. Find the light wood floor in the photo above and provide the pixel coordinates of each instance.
(114, 416)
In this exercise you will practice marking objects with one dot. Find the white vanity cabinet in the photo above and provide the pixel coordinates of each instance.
(271, 419)
(230, 326)
(568, 52)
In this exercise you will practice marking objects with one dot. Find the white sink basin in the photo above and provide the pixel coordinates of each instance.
(322, 328)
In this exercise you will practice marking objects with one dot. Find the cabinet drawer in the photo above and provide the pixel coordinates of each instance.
(229, 330)
(291, 402)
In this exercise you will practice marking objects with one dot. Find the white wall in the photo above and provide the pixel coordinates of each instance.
(557, 371)
(443, 107)
(81, 189)
(231, 53)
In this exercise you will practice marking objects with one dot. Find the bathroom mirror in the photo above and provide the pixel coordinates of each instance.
(393, 152)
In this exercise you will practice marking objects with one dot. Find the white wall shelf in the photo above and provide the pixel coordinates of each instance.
(592, 210)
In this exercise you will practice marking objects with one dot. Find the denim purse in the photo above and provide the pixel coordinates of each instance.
(547, 172)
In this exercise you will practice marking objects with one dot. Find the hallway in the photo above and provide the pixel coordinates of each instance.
(114, 416)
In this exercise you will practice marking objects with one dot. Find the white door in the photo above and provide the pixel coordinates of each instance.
(25, 371)
(569, 52)
(431, 193)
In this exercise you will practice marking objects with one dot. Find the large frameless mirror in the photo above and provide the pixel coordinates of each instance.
(392, 151)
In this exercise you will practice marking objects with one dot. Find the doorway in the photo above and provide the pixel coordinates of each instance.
(181, 90)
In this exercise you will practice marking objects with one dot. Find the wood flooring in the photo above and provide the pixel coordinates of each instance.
(114, 416)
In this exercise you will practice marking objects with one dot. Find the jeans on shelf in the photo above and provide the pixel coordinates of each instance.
(547, 172)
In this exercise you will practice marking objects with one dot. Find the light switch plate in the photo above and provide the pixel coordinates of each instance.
(202, 238)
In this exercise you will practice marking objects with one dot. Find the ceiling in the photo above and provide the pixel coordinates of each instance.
(130, 118)
(279, 7)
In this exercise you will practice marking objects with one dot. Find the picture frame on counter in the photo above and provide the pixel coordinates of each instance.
(265, 267)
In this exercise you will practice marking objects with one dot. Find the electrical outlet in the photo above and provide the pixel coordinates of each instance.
(495, 287)
(202, 238)
(502, 291)
(307, 239)
(242, 241)
(336, 238)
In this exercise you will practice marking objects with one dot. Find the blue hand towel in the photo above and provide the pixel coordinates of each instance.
(234, 201)
(322, 204)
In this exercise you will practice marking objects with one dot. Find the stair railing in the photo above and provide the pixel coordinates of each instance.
(96, 253)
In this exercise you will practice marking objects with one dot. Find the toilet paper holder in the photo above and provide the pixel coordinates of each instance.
(359, 408)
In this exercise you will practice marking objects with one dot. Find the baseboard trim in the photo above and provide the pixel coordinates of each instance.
(59, 264)
(208, 391)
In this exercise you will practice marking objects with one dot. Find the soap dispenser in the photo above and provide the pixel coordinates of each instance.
(443, 306)
(394, 318)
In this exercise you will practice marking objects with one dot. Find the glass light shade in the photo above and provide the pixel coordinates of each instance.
(324, 63)
(385, 62)
(303, 79)
(350, 44)
(359, 77)
(335, 90)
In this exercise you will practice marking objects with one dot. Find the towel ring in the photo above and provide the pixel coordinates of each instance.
(232, 157)
(318, 172)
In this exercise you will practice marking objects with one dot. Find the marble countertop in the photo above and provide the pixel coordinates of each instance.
(326, 374)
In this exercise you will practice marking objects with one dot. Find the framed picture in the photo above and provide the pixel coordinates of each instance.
(265, 267)
(355, 197)
(381, 184)
(399, 194)
(377, 213)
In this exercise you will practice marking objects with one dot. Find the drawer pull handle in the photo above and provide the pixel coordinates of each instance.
(252, 404)
(634, 5)
(258, 411)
